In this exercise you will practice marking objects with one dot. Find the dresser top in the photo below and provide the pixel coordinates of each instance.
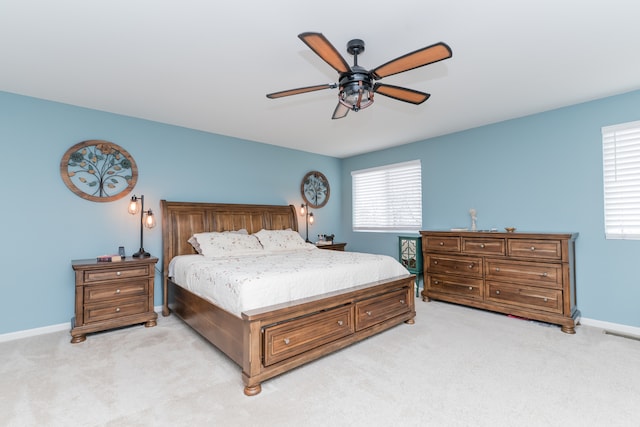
(502, 234)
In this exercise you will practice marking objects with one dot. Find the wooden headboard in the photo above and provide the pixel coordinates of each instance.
(180, 220)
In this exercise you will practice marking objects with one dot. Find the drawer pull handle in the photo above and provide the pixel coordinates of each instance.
(402, 301)
(435, 262)
(368, 313)
(118, 273)
(286, 341)
(441, 243)
(471, 265)
(544, 274)
(340, 323)
(498, 269)
(117, 309)
(545, 300)
(497, 292)
(470, 288)
(436, 282)
(533, 248)
(117, 291)
(482, 245)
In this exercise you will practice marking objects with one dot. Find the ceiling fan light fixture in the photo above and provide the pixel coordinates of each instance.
(356, 95)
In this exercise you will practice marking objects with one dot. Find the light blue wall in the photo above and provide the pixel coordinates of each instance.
(45, 225)
(537, 173)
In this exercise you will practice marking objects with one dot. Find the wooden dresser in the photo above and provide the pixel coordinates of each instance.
(530, 275)
(112, 294)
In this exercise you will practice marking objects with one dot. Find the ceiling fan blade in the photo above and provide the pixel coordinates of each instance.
(401, 93)
(300, 90)
(340, 111)
(418, 58)
(325, 50)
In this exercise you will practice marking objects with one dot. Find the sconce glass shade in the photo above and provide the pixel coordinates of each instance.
(311, 218)
(303, 209)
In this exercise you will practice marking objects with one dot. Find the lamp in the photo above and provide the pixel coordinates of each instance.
(148, 221)
(356, 90)
(304, 210)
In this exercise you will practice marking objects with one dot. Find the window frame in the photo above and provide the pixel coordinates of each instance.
(402, 209)
(621, 180)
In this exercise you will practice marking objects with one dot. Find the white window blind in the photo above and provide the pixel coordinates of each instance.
(621, 166)
(388, 198)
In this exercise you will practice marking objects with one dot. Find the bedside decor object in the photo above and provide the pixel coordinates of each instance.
(315, 189)
(146, 218)
(112, 294)
(99, 171)
(304, 211)
(510, 229)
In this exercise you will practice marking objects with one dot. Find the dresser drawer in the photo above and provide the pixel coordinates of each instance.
(376, 310)
(126, 289)
(288, 339)
(466, 287)
(464, 265)
(482, 246)
(531, 248)
(524, 296)
(115, 273)
(534, 273)
(115, 309)
(441, 244)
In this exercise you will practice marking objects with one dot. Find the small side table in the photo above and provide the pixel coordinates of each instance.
(112, 294)
(333, 246)
(410, 255)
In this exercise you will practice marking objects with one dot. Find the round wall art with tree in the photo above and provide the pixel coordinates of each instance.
(97, 170)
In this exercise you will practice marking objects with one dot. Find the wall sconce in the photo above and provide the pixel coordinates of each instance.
(146, 218)
(304, 210)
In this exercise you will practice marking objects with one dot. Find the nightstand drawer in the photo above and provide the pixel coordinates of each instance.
(93, 294)
(116, 273)
(115, 309)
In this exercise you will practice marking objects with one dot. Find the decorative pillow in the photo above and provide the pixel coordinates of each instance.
(281, 240)
(219, 244)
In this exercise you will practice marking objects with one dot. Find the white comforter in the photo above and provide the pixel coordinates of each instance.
(243, 283)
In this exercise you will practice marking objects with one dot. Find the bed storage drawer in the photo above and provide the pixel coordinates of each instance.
(378, 309)
(291, 338)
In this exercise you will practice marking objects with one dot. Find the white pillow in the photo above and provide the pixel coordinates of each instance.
(227, 244)
(193, 240)
(280, 240)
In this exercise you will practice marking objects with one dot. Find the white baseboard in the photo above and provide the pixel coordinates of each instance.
(46, 330)
(612, 327)
(608, 326)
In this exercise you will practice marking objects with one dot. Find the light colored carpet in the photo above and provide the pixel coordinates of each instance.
(455, 367)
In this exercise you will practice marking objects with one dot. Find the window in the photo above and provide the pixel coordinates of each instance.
(621, 166)
(388, 198)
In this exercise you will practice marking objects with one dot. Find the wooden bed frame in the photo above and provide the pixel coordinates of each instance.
(270, 341)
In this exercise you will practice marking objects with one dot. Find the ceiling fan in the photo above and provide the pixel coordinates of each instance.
(357, 84)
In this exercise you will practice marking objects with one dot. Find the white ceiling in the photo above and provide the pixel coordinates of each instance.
(207, 65)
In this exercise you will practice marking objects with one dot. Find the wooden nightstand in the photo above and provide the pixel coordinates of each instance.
(112, 294)
(333, 246)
